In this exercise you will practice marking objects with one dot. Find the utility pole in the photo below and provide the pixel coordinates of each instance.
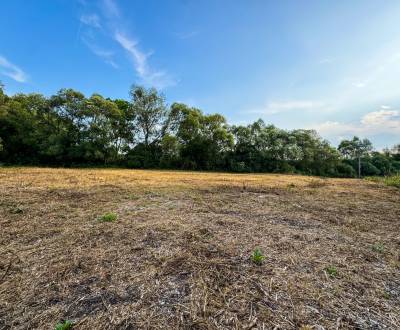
(359, 166)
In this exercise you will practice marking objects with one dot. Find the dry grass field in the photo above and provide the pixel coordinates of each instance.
(178, 255)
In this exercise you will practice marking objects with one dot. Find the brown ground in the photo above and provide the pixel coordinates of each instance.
(178, 256)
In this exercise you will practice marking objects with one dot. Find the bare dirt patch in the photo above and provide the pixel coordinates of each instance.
(178, 255)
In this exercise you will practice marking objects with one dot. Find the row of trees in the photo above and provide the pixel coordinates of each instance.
(68, 129)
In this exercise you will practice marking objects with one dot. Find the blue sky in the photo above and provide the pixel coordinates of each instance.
(333, 66)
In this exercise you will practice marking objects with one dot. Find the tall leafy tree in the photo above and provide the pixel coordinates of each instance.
(204, 139)
(150, 112)
(355, 149)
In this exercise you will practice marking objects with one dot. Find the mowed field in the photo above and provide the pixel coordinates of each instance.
(178, 256)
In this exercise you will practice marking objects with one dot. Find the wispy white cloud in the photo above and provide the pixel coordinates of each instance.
(112, 25)
(159, 79)
(187, 35)
(383, 120)
(111, 8)
(11, 70)
(376, 122)
(130, 45)
(272, 108)
(106, 55)
(92, 20)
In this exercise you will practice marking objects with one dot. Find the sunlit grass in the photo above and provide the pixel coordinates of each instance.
(393, 181)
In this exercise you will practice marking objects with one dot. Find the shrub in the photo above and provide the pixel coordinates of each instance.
(257, 257)
(344, 170)
(108, 217)
(367, 168)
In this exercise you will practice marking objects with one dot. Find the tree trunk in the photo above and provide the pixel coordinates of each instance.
(359, 166)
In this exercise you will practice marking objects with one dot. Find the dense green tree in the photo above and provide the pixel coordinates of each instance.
(355, 149)
(395, 152)
(70, 129)
(150, 114)
(203, 139)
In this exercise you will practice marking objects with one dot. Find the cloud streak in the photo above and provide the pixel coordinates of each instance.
(272, 108)
(159, 79)
(112, 25)
(111, 8)
(92, 20)
(11, 70)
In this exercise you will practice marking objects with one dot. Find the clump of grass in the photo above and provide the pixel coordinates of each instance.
(257, 257)
(378, 247)
(108, 217)
(331, 270)
(66, 325)
(392, 181)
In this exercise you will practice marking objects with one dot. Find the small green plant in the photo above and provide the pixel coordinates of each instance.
(257, 257)
(331, 270)
(378, 247)
(108, 217)
(66, 325)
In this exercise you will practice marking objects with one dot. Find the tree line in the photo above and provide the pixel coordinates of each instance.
(69, 129)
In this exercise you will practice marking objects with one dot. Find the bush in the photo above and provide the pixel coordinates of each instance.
(344, 170)
(368, 169)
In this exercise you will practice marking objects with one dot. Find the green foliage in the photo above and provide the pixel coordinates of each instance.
(355, 148)
(393, 181)
(70, 129)
(108, 217)
(378, 247)
(344, 170)
(331, 271)
(66, 325)
(257, 257)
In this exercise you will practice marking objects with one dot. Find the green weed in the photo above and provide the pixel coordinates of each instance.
(331, 270)
(257, 257)
(66, 325)
(108, 217)
(378, 247)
